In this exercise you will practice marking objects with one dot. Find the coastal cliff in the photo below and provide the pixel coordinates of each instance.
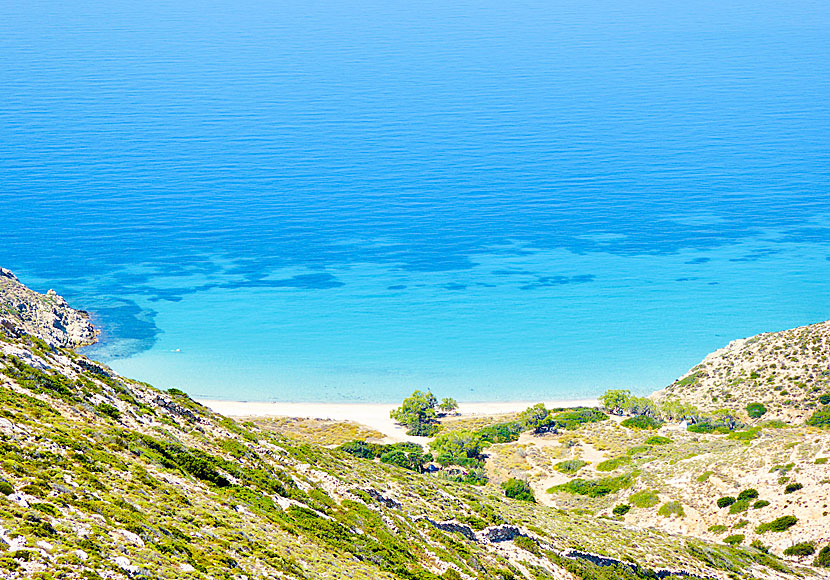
(107, 477)
(46, 316)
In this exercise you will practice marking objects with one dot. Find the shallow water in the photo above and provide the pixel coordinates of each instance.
(347, 201)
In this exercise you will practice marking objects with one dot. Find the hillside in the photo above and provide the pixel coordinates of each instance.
(786, 371)
(106, 477)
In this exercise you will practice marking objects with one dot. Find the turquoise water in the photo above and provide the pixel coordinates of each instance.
(346, 201)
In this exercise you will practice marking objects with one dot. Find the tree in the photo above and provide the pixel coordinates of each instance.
(417, 413)
(616, 400)
(448, 405)
(536, 417)
(458, 448)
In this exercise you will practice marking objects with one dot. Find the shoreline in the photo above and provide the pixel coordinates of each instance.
(372, 415)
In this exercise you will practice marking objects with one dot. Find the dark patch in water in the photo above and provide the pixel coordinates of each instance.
(453, 286)
(699, 261)
(397, 287)
(549, 281)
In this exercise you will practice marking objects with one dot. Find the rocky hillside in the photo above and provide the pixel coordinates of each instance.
(106, 477)
(786, 371)
(48, 316)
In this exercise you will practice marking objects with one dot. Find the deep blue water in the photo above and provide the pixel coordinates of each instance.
(350, 200)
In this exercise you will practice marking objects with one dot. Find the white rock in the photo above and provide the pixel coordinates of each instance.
(82, 556)
(186, 567)
(44, 545)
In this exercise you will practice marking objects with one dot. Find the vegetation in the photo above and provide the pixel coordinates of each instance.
(518, 489)
(644, 499)
(725, 501)
(821, 418)
(641, 422)
(823, 558)
(801, 549)
(734, 539)
(658, 440)
(671, 509)
(448, 405)
(756, 410)
(570, 466)
(792, 487)
(621, 509)
(594, 487)
(417, 413)
(749, 493)
(781, 524)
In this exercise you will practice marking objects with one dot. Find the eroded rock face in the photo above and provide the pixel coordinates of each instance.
(46, 316)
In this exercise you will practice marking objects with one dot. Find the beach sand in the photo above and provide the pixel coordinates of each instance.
(372, 415)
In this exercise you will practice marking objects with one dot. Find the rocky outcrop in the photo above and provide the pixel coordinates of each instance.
(46, 316)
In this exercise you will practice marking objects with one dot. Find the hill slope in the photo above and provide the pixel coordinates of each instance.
(786, 371)
(106, 477)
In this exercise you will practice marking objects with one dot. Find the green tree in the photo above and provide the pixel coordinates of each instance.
(536, 417)
(458, 448)
(417, 413)
(448, 405)
(616, 400)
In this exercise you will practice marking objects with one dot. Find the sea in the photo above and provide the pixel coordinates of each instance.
(348, 200)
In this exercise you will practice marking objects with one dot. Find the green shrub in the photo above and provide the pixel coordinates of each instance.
(774, 424)
(528, 544)
(748, 494)
(739, 506)
(672, 508)
(658, 440)
(725, 501)
(823, 558)
(820, 460)
(760, 546)
(594, 487)
(824, 398)
(418, 414)
(746, 435)
(717, 529)
(621, 509)
(820, 418)
(792, 487)
(756, 410)
(6, 488)
(734, 539)
(644, 499)
(801, 549)
(781, 524)
(703, 477)
(760, 504)
(518, 489)
(572, 419)
(570, 466)
(612, 464)
(108, 410)
(641, 422)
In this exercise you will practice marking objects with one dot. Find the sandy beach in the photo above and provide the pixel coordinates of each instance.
(373, 415)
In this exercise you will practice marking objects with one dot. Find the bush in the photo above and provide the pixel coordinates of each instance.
(518, 489)
(621, 509)
(823, 558)
(6, 488)
(570, 466)
(572, 419)
(658, 440)
(820, 460)
(824, 399)
(725, 501)
(760, 546)
(801, 549)
(108, 410)
(594, 487)
(756, 410)
(717, 529)
(644, 499)
(641, 422)
(792, 487)
(672, 508)
(781, 524)
(747, 435)
(734, 539)
(820, 418)
(760, 504)
(748, 494)
(739, 506)
(462, 448)
(612, 464)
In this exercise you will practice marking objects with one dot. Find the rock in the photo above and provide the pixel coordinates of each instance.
(46, 316)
